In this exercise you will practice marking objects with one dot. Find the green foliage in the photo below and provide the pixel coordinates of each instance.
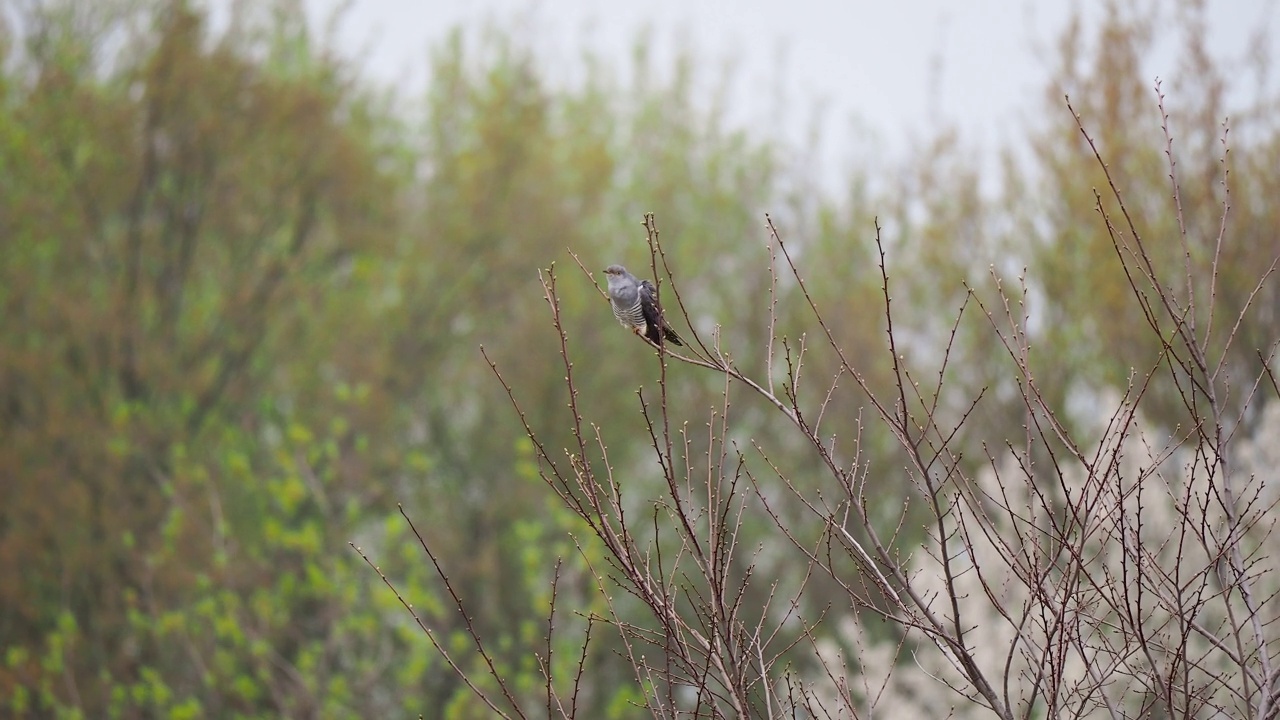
(168, 220)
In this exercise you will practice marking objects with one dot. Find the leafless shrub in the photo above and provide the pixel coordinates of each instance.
(1129, 576)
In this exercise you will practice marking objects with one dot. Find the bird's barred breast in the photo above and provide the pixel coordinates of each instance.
(633, 317)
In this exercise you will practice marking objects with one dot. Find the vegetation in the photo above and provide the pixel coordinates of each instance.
(936, 450)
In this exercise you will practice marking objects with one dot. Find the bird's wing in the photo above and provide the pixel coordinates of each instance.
(649, 303)
(649, 308)
(655, 325)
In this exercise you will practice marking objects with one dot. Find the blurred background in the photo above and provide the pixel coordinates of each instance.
(870, 78)
(249, 251)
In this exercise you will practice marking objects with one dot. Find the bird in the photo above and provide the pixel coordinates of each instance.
(635, 305)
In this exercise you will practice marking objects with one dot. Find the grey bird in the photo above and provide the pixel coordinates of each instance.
(635, 305)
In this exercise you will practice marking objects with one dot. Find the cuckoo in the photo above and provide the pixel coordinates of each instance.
(635, 305)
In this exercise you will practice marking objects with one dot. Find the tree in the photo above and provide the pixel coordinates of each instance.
(170, 203)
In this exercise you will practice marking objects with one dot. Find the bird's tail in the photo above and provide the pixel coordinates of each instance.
(667, 334)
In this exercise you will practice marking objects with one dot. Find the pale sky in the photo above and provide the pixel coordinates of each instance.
(896, 68)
